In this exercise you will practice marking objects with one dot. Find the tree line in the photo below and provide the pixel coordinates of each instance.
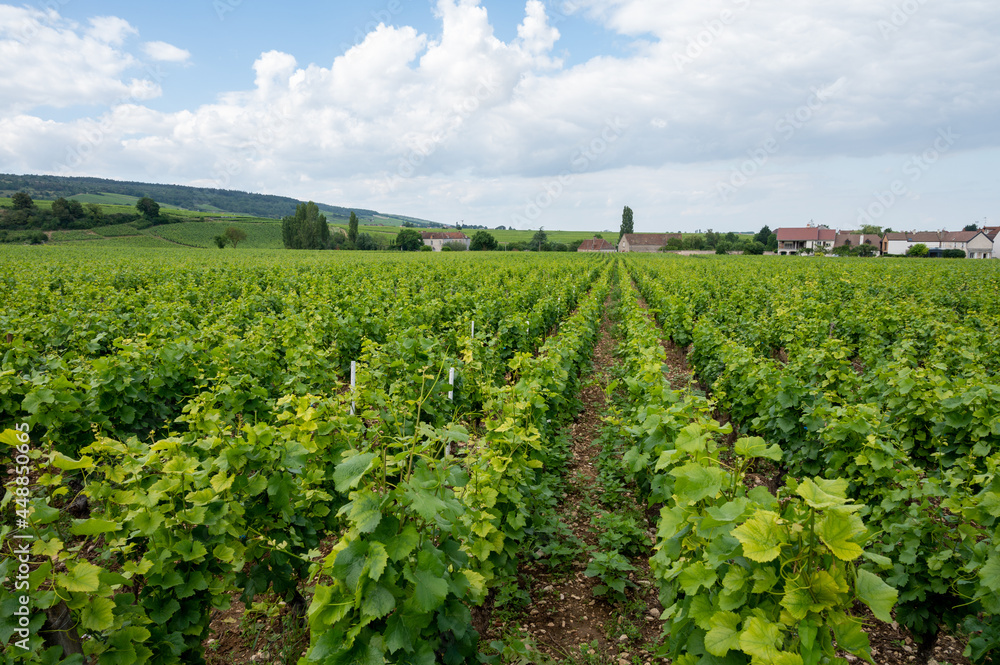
(25, 221)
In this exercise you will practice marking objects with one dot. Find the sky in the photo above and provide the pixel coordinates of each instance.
(554, 114)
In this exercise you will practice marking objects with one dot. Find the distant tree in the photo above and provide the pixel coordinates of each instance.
(539, 240)
(148, 208)
(306, 229)
(22, 201)
(500, 228)
(483, 241)
(694, 242)
(235, 235)
(772, 243)
(918, 250)
(888, 230)
(60, 208)
(865, 249)
(366, 242)
(723, 247)
(95, 212)
(732, 238)
(711, 238)
(871, 229)
(409, 240)
(76, 210)
(971, 227)
(220, 241)
(628, 225)
(754, 247)
(352, 229)
(673, 243)
(763, 234)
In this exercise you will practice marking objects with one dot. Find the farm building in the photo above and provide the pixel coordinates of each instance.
(645, 242)
(857, 239)
(793, 240)
(438, 239)
(596, 245)
(975, 244)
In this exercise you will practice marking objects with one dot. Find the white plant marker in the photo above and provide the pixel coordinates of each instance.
(353, 378)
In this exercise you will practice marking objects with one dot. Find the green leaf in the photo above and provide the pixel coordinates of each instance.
(92, 527)
(760, 639)
(366, 512)
(876, 594)
(691, 439)
(400, 546)
(378, 603)
(990, 573)
(823, 493)
(164, 611)
(724, 633)
(696, 482)
(378, 558)
(430, 592)
(849, 635)
(761, 536)
(797, 600)
(97, 614)
(351, 470)
(81, 576)
(724, 514)
(837, 529)
(755, 446)
(65, 463)
(696, 575)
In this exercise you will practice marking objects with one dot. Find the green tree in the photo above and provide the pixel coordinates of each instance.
(772, 243)
(723, 247)
(148, 208)
(971, 227)
(695, 241)
(763, 234)
(95, 212)
(235, 235)
(409, 240)
(628, 226)
(673, 243)
(352, 229)
(306, 229)
(866, 249)
(539, 239)
(22, 201)
(60, 208)
(483, 241)
(871, 229)
(366, 242)
(918, 250)
(220, 241)
(754, 247)
(711, 239)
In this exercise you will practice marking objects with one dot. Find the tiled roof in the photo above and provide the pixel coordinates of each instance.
(804, 234)
(443, 235)
(595, 245)
(651, 239)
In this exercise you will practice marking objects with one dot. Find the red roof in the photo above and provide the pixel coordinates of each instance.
(649, 239)
(807, 233)
(596, 245)
(443, 235)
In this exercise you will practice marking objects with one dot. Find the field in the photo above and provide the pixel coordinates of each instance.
(347, 457)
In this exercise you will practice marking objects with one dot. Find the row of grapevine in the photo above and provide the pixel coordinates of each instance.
(744, 575)
(216, 502)
(913, 432)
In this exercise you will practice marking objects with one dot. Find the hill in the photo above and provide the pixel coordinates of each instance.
(203, 199)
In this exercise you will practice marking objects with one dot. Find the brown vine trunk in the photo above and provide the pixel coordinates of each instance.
(59, 630)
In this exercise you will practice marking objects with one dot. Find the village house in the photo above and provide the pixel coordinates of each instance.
(438, 239)
(596, 245)
(857, 239)
(975, 244)
(807, 239)
(645, 242)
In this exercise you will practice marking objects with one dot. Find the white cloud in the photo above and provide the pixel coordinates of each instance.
(464, 119)
(48, 61)
(164, 52)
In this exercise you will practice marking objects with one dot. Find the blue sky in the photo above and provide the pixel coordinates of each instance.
(724, 114)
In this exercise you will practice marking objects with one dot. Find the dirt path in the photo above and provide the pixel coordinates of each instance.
(564, 619)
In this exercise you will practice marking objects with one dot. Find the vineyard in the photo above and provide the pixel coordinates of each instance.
(381, 457)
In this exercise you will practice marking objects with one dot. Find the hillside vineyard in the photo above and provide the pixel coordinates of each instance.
(375, 438)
